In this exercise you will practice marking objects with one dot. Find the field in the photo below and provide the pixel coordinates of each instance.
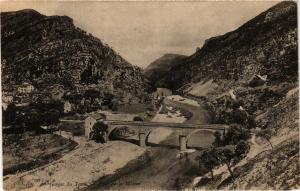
(29, 150)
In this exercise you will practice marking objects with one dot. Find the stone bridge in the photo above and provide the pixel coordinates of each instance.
(145, 128)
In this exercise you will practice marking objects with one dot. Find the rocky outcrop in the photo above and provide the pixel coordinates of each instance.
(47, 50)
(265, 45)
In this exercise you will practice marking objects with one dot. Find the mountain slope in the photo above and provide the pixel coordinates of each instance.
(47, 50)
(161, 66)
(265, 45)
(222, 74)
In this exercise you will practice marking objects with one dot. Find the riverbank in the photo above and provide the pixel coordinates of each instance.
(160, 167)
(77, 169)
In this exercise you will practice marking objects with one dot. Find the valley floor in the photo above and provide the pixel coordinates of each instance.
(163, 167)
(76, 169)
(90, 161)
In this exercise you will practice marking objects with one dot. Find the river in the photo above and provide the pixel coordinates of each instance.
(161, 167)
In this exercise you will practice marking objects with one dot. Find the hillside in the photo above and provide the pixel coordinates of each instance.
(50, 50)
(161, 66)
(265, 45)
(249, 77)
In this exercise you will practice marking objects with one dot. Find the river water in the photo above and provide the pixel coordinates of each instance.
(161, 167)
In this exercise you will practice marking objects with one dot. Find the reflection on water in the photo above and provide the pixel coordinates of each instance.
(202, 138)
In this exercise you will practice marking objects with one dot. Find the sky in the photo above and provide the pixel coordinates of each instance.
(141, 32)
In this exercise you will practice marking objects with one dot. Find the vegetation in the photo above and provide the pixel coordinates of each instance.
(99, 132)
(228, 155)
(228, 150)
(138, 118)
(209, 160)
(266, 134)
(235, 133)
(9, 115)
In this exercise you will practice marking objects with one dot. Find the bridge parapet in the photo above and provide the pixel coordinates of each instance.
(167, 125)
(145, 128)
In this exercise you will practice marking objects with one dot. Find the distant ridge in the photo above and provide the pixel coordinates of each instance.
(161, 66)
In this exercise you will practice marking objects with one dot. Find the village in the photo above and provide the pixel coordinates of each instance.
(75, 133)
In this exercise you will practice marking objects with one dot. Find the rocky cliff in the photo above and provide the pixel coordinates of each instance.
(47, 50)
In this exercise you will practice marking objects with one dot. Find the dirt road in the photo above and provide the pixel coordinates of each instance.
(76, 169)
(163, 169)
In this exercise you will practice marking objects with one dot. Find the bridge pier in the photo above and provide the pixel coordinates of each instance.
(182, 142)
(142, 139)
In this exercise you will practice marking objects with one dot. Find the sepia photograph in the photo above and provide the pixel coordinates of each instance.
(149, 95)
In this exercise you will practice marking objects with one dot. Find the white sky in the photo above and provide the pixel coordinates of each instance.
(144, 31)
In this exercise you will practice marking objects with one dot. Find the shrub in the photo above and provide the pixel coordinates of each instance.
(266, 134)
(235, 134)
(209, 160)
(99, 132)
(225, 156)
(138, 118)
(231, 154)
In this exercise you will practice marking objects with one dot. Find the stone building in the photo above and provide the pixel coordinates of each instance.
(57, 92)
(90, 121)
(25, 88)
(67, 107)
(7, 98)
(162, 93)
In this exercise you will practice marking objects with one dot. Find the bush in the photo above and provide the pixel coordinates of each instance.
(218, 139)
(266, 134)
(99, 132)
(9, 115)
(241, 149)
(235, 134)
(209, 160)
(138, 118)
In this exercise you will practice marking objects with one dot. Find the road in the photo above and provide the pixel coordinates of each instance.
(164, 169)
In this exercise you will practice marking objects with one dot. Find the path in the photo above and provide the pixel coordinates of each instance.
(76, 169)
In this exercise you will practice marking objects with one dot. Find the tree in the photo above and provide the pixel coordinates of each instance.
(266, 134)
(99, 132)
(209, 160)
(50, 117)
(138, 118)
(226, 155)
(235, 133)
(241, 149)
(231, 154)
(32, 120)
(92, 94)
(9, 116)
(218, 139)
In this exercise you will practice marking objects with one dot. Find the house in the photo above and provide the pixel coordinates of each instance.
(57, 92)
(227, 97)
(162, 93)
(67, 107)
(25, 88)
(7, 98)
(90, 121)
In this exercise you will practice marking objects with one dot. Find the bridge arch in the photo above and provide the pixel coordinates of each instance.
(112, 128)
(143, 130)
